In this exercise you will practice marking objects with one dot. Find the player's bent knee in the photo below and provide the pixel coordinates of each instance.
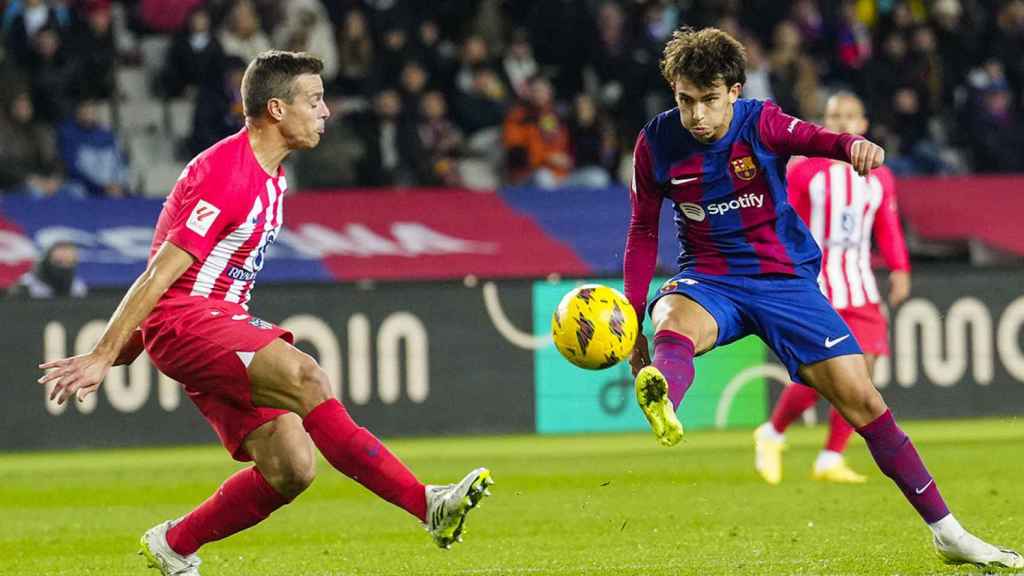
(313, 380)
(307, 385)
(861, 405)
(294, 470)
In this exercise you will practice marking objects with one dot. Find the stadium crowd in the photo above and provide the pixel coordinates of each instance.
(483, 93)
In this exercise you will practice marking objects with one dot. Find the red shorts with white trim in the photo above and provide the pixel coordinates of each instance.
(869, 327)
(207, 345)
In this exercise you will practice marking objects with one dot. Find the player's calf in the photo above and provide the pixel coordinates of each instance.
(284, 454)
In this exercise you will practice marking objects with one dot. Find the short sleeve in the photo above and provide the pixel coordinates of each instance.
(204, 212)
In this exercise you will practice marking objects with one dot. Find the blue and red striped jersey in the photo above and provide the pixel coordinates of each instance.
(730, 199)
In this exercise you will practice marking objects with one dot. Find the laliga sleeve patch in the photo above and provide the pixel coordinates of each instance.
(202, 217)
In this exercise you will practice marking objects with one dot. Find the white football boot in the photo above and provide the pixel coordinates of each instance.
(162, 557)
(969, 549)
(448, 505)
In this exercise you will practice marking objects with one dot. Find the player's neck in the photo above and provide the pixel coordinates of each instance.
(268, 146)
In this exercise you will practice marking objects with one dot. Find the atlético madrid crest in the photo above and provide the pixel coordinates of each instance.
(744, 168)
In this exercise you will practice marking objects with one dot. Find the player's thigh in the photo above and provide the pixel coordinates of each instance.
(844, 381)
(681, 314)
(797, 322)
(283, 453)
(282, 376)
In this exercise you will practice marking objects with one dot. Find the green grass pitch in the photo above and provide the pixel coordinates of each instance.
(601, 504)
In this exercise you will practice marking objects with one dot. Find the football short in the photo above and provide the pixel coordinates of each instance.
(790, 314)
(207, 345)
(869, 327)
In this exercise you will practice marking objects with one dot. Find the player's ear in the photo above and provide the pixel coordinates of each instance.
(275, 109)
(734, 92)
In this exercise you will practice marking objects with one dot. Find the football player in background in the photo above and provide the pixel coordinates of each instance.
(844, 211)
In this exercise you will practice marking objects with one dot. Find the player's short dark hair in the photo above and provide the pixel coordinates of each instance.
(704, 56)
(271, 75)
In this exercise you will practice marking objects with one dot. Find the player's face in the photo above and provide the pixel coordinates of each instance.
(845, 114)
(303, 121)
(705, 111)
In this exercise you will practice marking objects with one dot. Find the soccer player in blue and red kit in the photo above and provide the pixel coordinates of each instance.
(750, 266)
(269, 402)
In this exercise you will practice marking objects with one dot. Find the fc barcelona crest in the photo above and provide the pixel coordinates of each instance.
(744, 168)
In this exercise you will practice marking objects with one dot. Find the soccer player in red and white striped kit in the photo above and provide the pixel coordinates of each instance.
(844, 211)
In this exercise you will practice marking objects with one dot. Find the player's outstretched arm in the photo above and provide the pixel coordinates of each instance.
(82, 375)
(641, 255)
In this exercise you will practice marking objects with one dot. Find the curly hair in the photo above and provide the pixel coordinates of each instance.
(270, 75)
(704, 56)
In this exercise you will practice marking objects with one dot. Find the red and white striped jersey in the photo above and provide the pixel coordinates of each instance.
(225, 210)
(844, 211)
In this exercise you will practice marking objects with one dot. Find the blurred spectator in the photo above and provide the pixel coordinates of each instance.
(910, 149)
(794, 81)
(53, 276)
(439, 143)
(1007, 42)
(23, 20)
(661, 18)
(887, 72)
(537, 139)
(390, 144)
(243, 36)
(28, 152)
(806, 16)
(194, 56)
(759, 77)
(53, 75)
(996, 130)
(625, 69)
(307, 28)
(435, 52)
(394, 51)
(853, 45)
(490, 25)
(957, 44)
(355, 55)
(90, 153)
(593, 144)
(95, 52)
(412, 83)
(518, 64)
(926, 68)
(484, 105)
(218, 112)
(474, 55)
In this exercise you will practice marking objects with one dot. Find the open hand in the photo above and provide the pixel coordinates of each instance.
(79, 376)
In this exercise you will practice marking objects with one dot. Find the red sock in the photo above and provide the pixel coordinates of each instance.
(243, 500)
(795, 399)
(673, 356)
(839, 431)
(357, 453)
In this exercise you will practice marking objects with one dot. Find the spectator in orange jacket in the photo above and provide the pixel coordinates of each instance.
(537, 147)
